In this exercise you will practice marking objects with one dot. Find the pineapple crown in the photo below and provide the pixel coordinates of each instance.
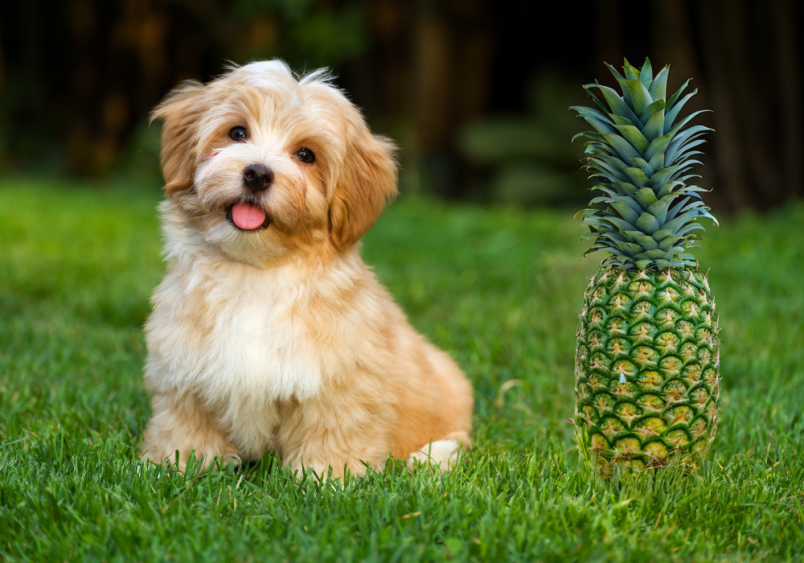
(642, 157)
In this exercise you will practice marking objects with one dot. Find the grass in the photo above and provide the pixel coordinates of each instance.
(500, 290)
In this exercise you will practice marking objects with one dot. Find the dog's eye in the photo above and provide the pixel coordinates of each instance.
(238, 134)
(305, 155)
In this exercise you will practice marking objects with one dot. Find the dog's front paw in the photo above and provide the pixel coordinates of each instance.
(201, 460)
(181, 427)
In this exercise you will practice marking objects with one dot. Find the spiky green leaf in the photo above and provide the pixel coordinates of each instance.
(668, 188)
(651, 110)
(625, 211)
(592, 112)
(599, 125)
(658, 88)
(603, 170)
(646, 73)
(671, 102)
(659, 144)
(620, 120)
(640, 97)
(668, 242)
(691, 134)
(659, 210)
(617, 104)
(645, 198)
(631, 72)
(642, 165)
(634, 136)
(647, 243)
(612, 161)
(625, 187)
(654, 128)
(647, 223)
(663, 176)
(623, 147)
(620, 224)
(671, 114)
(621, 81)
(637, 176)
(599, 103)
(630, 203)
(656, 163)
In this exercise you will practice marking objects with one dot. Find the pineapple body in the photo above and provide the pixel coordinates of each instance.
(646, 368)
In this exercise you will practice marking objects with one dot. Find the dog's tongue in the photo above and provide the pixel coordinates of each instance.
(247, 216)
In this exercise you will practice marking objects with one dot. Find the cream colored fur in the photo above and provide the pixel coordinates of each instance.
(282, 339)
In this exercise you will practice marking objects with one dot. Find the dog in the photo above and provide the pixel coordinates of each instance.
(268, 331)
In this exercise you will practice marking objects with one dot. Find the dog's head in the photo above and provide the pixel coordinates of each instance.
(264, 164)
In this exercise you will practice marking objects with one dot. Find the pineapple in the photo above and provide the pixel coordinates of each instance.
(647, 360)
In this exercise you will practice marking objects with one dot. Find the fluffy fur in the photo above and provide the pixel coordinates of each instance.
(281, 338)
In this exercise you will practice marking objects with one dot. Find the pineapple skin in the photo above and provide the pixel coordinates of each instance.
(647, 365)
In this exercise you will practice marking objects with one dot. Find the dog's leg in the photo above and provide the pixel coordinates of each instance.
(321, 455)
(182, 424)
(321, 434)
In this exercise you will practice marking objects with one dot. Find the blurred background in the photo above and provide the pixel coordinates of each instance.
(475, 91)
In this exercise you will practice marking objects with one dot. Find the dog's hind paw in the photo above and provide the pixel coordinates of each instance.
(441, 453)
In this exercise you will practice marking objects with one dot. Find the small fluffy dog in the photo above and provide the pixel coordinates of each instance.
(269, 332)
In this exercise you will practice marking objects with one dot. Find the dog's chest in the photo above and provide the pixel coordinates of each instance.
(258, 348)
(241, 341)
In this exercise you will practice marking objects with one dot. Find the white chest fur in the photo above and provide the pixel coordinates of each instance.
(233, 337)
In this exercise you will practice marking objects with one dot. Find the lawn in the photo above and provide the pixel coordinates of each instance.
(500, 290)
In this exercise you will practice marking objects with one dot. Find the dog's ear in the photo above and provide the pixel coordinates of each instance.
(180, 113)
(368, 180)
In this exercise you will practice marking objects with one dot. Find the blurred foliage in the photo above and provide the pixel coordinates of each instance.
(78, 78)
(447, 79)
(138, 161)
(529, 158)
(305, 33)
(312, 36)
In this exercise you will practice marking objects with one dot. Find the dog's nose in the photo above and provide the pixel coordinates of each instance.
(257, 177)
